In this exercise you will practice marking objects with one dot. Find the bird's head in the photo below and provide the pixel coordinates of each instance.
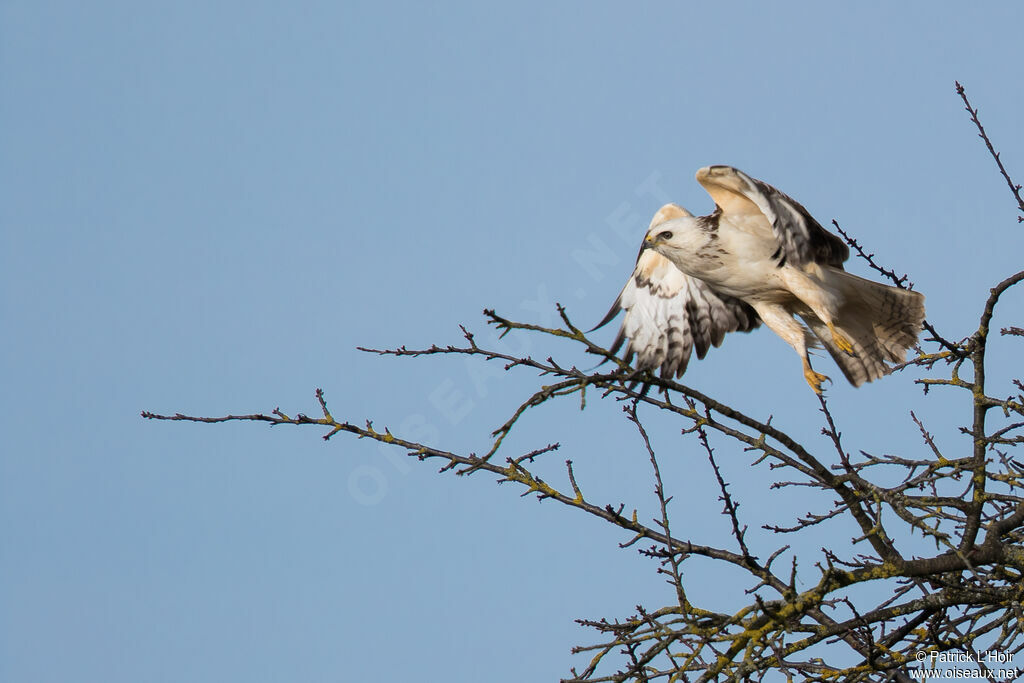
(673, 228)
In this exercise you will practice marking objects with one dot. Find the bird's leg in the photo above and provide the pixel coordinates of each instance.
(782, 323)
(814, 378)
(840, 340)
(810, 285)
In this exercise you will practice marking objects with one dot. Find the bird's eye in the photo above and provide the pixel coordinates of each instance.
(667, 235)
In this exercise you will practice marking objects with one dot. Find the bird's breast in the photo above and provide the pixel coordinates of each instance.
(743, 274)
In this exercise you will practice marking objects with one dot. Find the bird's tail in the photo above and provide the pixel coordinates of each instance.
(880, 322)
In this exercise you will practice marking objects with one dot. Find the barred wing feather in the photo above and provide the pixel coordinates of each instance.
(669, 314)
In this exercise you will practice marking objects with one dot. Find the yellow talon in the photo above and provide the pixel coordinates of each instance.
(840, 340)
(814, 378)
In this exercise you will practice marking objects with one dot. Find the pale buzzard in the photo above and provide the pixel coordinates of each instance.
(760, 257)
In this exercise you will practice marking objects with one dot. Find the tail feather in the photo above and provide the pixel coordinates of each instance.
(881, 322)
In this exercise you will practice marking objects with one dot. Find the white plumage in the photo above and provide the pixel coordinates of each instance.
(760, 257)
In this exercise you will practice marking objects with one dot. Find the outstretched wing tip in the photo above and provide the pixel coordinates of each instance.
(799, 234)
(609, 316)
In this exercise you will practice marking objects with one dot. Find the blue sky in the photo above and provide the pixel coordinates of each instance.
(205, 207)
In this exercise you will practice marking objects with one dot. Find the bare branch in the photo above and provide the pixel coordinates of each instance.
(1014, 187)
(883, 595)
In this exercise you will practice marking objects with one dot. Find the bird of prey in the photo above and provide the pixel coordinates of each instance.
(759, 258)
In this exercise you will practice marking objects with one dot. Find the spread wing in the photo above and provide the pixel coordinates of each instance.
(741, 198)
(668, 314)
